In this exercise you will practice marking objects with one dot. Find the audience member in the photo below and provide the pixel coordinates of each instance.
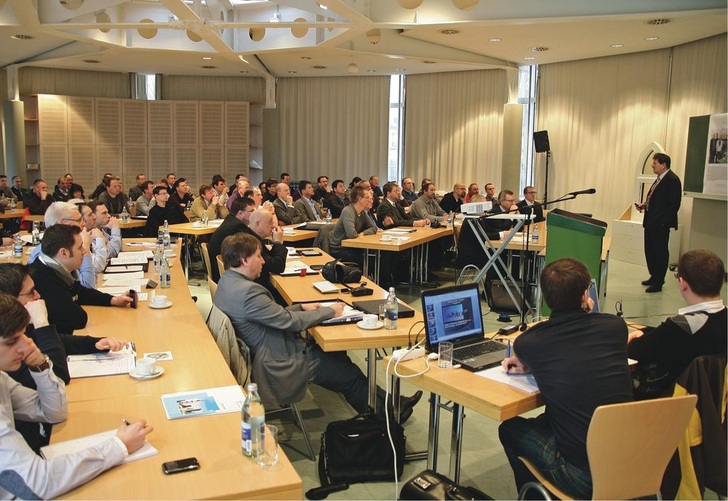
(391, 213)
(285, 178)
(504, 205)
(423, 186)
(256, 195)
(270, 193)
(75, 188)
(529, 204)
(242, 185)
(62, 191)
(145, 201)
(38, 200)
(101, 188)
(452, 201)
(170, 180)
(322, 191)
(307, 208)
(106, 230)
(473, 190)
(137, 190)
(337, 200)
(218, 182)
(378, 193)
(163, 211)
(208, 203)
(262, 225)
(17, 189)
(490, 193)
(426, 206)
(408, 192)
(181, 194)
(236, 222)
(283, 205)
(61, 255)
(698, 329)
(353, 223)
(5, 190)
(113, 198)
(579, 361)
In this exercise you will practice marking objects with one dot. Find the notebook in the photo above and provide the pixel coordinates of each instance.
(372, 306)
(453, 314)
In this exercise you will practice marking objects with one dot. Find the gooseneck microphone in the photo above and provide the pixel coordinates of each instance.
(590, 191)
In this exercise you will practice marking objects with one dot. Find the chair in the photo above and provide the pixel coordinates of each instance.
(323, 238)
(206, 257)
(629, 446)
(237, 355)
(220, 265)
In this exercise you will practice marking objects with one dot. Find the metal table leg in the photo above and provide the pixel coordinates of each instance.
(372, 377)
(456, 441)
(433, 435)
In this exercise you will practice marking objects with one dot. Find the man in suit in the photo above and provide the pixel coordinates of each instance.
(529, 203)
(18, 189)
(306, 207)
(283, 205)
(409, 195)
(283, 363)
(235, 222)
(337, 199)
(660, 208)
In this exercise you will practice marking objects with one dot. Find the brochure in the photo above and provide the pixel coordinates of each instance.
(203, 402)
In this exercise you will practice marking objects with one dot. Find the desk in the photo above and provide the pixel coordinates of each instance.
(132, 223)
(298, 235)
(416, 240)
(12, 214)
(193, 229)
(98, 404)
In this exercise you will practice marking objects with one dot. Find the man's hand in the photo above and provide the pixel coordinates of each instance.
(122, 300)
(289, 200)
(134, 434)
(113, 223)
(512, 365)
(640, 207)
(420, 223)
(33, 357)
(38, 313)
(86, 238)
(388, 221)
(634, 334)
(338, 308)
(215, 200)
(43, 193)
(110, 343)
(277, 235)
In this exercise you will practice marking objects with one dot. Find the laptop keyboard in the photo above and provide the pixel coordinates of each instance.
(475, 350)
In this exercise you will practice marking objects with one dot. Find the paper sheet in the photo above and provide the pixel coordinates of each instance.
(119, 277)
(523, 382)
(102, 364)
(83, 443)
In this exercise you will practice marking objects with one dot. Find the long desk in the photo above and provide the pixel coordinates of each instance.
(98, 404)
(12, 214)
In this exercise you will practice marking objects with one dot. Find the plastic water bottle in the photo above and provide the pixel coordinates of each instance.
(534, 234)
(158, 258)
(165, 279)
(124, 215)
(17, 247)
(449, 219)
(391, 310)
(13, 205)
(165, 236)
(252, 423)
(188, 207)
(328, 216)
(35, 234)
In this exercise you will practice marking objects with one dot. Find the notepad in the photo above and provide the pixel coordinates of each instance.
(102, 364)
(523, 382)
(83, 443)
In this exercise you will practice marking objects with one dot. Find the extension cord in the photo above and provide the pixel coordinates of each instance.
(404, 354)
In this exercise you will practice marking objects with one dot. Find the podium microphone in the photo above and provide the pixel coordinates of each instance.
(590, 191)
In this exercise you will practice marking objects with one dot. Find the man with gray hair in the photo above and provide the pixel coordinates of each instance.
(68, 213)
(263, 225)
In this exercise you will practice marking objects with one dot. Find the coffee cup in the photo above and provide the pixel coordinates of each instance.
(386, 238)
(146, 366)
(159, 300)
(370, 320)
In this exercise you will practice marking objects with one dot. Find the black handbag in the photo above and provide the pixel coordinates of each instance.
(338, 272)
(432, 485)
(358, 450)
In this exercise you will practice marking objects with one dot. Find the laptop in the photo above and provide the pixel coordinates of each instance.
(453, 314)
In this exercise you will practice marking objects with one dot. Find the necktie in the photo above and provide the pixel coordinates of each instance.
(649, 193)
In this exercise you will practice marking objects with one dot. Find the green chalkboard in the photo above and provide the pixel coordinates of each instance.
(695, 156)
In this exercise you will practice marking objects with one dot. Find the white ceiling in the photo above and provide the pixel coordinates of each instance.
(66, 33)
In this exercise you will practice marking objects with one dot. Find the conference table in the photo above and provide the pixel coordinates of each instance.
(100, 403)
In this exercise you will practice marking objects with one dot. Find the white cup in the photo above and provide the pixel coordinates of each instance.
(370, 320)
(386, 238)
(146, 366)
(159, 300)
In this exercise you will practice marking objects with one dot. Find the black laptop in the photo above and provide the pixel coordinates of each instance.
(453, 314)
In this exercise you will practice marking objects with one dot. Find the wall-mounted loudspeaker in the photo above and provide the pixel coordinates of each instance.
(541, 141)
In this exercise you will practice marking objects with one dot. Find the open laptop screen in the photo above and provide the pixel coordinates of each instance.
(452, 314)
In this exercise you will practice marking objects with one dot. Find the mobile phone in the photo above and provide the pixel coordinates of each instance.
(134, 298)
(187, 464)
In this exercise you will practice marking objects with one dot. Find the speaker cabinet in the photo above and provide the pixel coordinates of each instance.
(541, 141)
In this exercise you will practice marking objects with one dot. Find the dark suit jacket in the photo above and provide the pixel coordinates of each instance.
(286, 214)
(450, 204)
(664, 203)
(537, 210)
(494, 225)
(335, 204)
(396, 212)
(469, 249)
(229, 226)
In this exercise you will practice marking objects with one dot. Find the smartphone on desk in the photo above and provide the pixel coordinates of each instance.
(134, 298)
(187, 464)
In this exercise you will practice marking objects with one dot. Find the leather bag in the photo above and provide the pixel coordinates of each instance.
(432, 485)
(338, 272)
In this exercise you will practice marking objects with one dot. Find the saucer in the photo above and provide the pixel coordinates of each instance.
(361, 325)
(154, 307)
(158, 371)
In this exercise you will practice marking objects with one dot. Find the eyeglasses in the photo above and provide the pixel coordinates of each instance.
(31, 292)
(75, 220)
(678, 276)
(530, 193)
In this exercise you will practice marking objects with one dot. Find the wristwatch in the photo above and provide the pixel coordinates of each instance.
(46, 364)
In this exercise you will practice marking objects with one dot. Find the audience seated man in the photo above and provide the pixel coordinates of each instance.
(15, 280)
(241, 186)
(218, 182)
(262, 224)
(25, 474)
(354, 222)
(698, 329)
(113, 198)
(529, 204)
(171, 179)
(285, 178)
(75, 189)
(378, 193)
(490, 193)
(337, 199)
(322, 191)
(53, 272)
(62, 192)
(181, 194)
(163, 211)
(504, 205)
(452, 201)
(68, 213)
(235, 222)
(208, 203)
(306, 207)
(256, 195)
(283, 204)
(105, 230)
(579, 361)
(145, 201)
(473, 190)
(271, 190)
(38, 200)
(272, 333)
(470, 251)
(101, 188)
(426, 206)
(17, 189)
(409, 195)
(5, 189)
(137, 190)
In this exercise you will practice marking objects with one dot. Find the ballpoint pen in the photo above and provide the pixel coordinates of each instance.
(508, 349)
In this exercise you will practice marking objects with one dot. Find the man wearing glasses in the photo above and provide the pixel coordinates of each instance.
(353, 223)
(236, 222)
(529, 205)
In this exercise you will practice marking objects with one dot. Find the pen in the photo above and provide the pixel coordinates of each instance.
(125, 422)
(508, 349)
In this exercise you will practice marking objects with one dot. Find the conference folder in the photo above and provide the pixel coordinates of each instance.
(372, 306)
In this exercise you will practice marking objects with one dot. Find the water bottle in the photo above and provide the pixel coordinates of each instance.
(17, 247)
(13, 205)
(165, 236)
(391, 310)
(160, 237)
(449, 219)
(35, 233)
(205, 219)
(188, 207)
(124, 215)
(253, 422)
(534, 234)
(158, 258)
(165, 280)
(328, 216)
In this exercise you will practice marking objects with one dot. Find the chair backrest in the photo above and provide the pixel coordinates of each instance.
(206, 258)
(220, 265)
(630, 444)
(213, 287)
(234, 351)
(323, 238)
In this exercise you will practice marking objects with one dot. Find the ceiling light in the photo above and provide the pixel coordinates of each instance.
(276, 15)
(20, 36)
(409, 4)
(243, 59)
(244, 72)
(530, 58)
(292, 72)
(449, 31)
(206, 58)
(374, 36)
(322, 6)
(495, 39)
(651, 39)
(465, 4)
(617, 45)
(538, 49)
(193, 36)
(371, 71)
(400, 69)
(657, 22)
(352, 68)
